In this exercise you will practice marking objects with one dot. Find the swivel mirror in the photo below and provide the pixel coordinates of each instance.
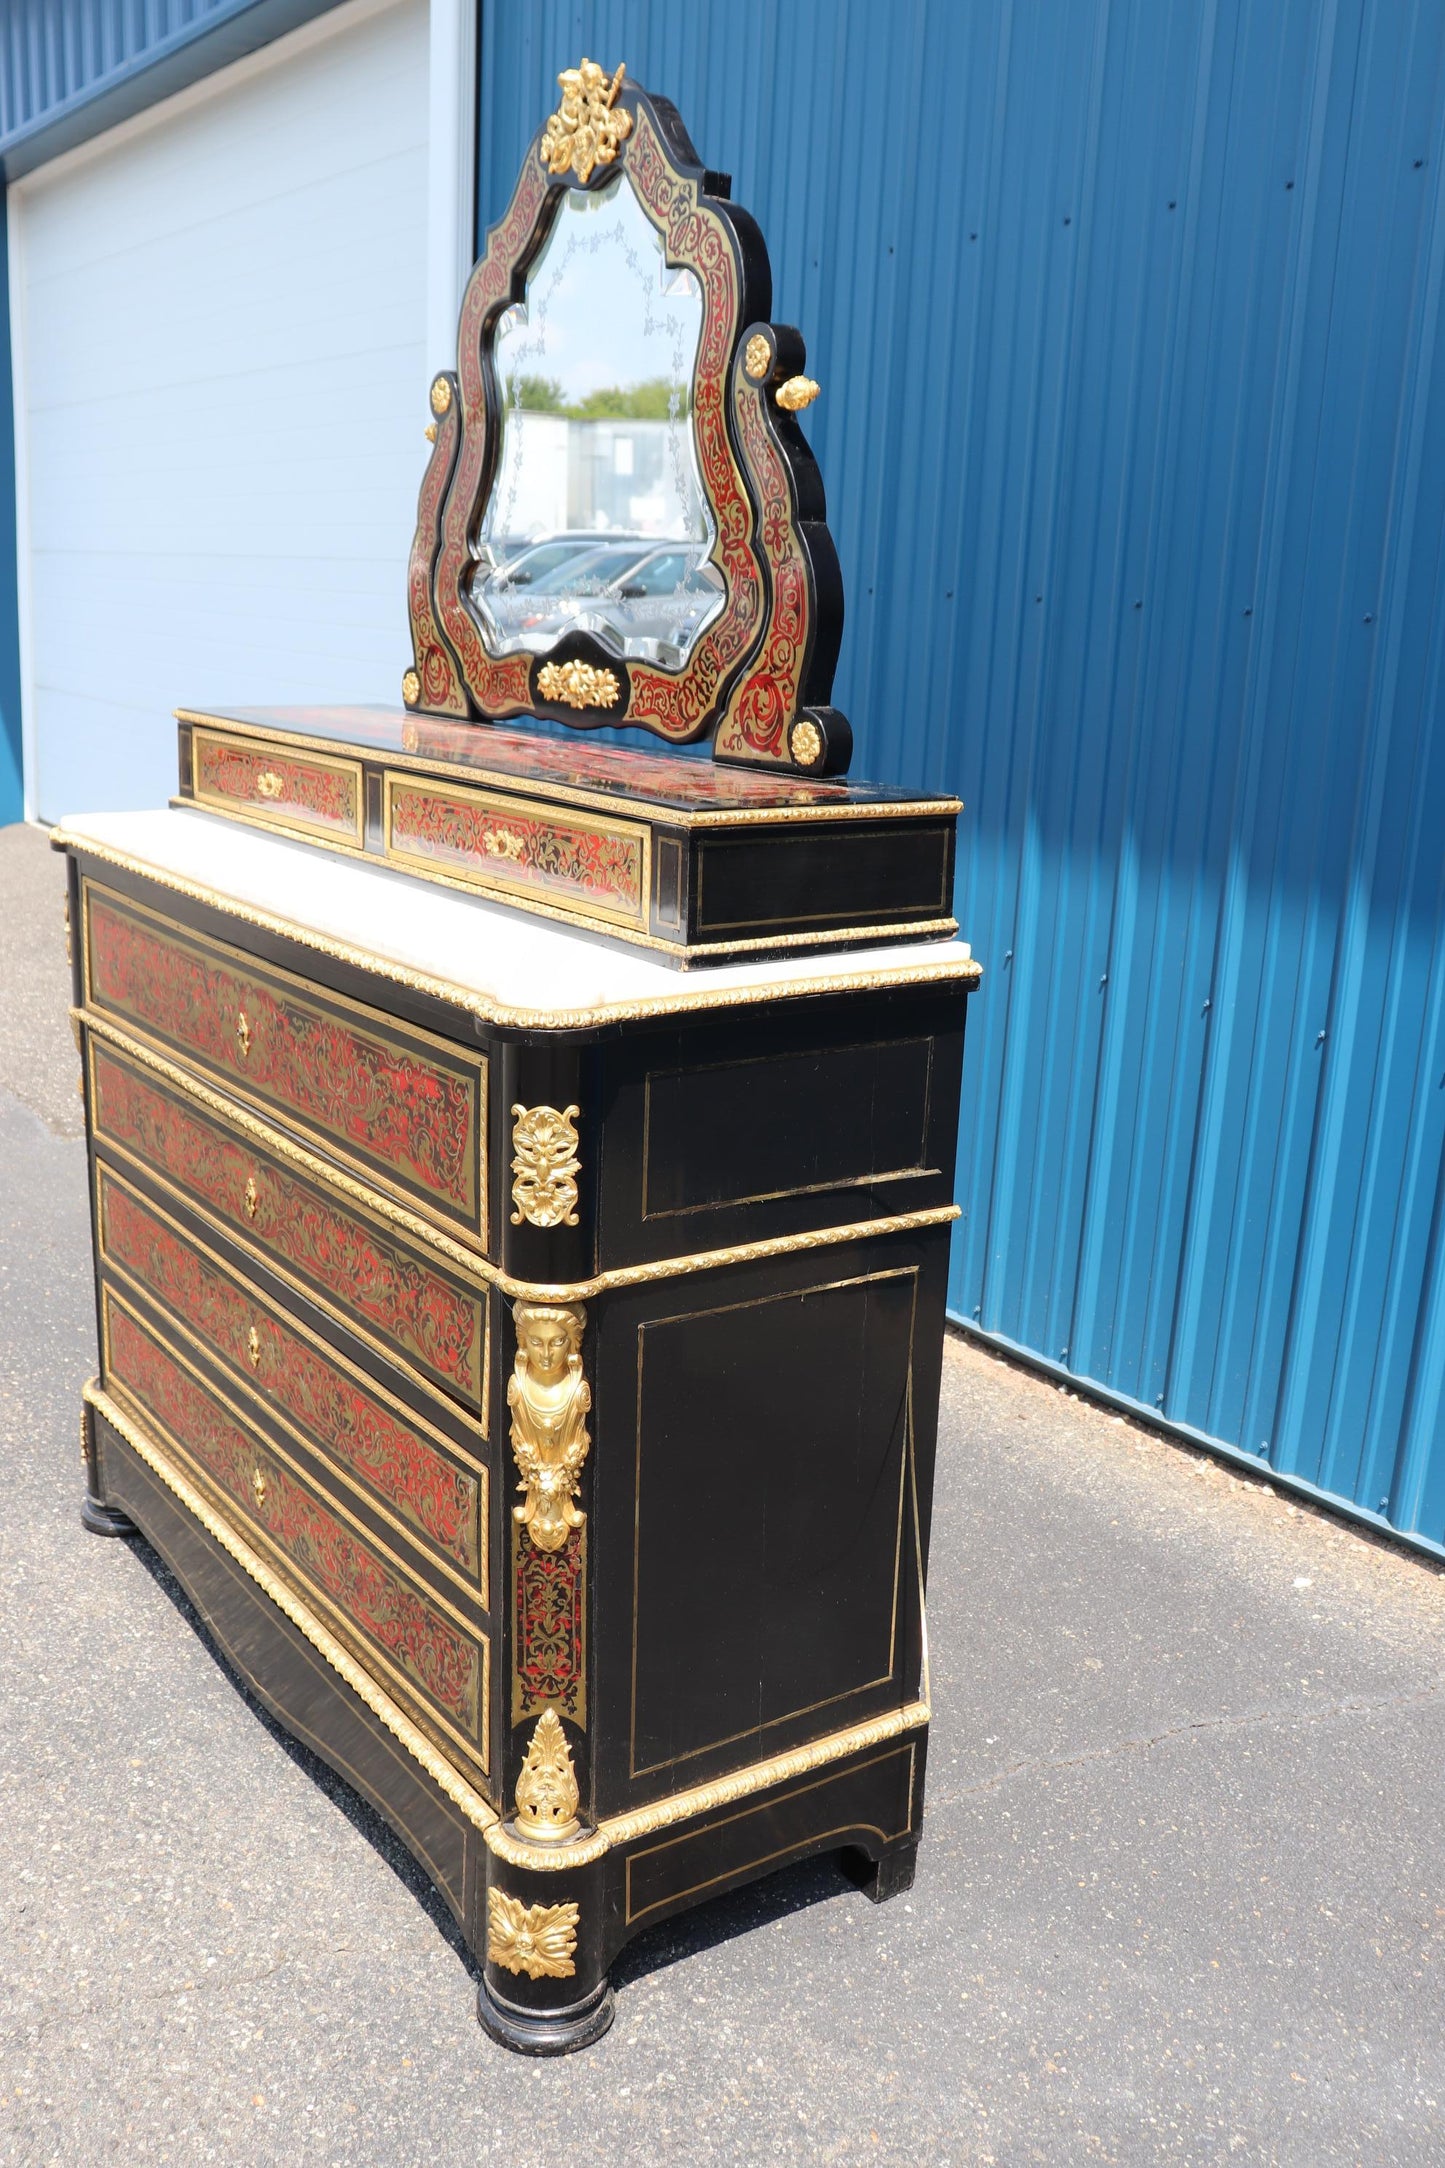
(621, 521)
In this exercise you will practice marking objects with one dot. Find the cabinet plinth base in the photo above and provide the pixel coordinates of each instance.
(880, 1879)
(105, 1520)
(553, 2032)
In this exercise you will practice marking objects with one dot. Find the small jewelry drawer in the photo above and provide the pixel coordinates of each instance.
(407, 1474)
(369, 1275)
(305, 793)
(434, 1657)
(404, 1106)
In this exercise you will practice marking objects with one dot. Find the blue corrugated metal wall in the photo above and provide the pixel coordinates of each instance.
(1127, 319)
(69, 68)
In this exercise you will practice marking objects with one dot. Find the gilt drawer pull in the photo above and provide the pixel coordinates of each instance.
(269, 783)
(243, 1033)
(253, 1347)
(252, 1196)
(258, 1485)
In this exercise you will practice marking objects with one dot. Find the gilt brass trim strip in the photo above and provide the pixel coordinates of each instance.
(408, 1735)
(621, 1829)
(961, 970)
(467, 1261)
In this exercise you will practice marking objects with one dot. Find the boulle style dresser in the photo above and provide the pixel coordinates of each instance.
(522, 1165)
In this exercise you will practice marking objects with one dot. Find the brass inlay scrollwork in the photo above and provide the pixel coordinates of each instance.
(549, 1399)
(545, 1166)
(757, 356)
(547, 1795)
(578, 685)
(535, 1939)
(588, 126)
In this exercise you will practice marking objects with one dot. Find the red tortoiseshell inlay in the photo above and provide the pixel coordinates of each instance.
(295, 790)
(677, 705)
(381, 1098)
(396, 1617)
(381, 1283)
(366, 1437)
(755, 725)
(503, 844)
(549, 1660)
(441, 689)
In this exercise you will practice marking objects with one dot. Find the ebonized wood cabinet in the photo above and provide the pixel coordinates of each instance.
(522, 1170)
(330, 1209)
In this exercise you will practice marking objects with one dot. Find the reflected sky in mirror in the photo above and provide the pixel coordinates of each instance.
(597, 521)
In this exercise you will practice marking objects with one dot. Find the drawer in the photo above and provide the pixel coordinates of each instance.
(405, 1107)
(430, 1654)
(404, 1470)
(306, 793)
(520, 848)
(361, 1269)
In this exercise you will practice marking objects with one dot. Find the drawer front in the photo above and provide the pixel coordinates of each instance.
(303, 792)
(349, 1423)
(374, 1280)
(406, 1108)
(430, 1653)
(580, 863)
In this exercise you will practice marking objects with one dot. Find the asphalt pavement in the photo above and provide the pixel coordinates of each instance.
(1180, 1896)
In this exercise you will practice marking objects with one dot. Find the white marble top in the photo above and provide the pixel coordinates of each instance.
(501, 963)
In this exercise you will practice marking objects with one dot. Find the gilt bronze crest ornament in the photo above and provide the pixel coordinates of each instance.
(620, 521)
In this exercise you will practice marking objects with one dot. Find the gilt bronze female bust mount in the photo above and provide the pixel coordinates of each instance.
(621, 521)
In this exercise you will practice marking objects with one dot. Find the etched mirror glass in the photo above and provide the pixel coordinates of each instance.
(597, 521)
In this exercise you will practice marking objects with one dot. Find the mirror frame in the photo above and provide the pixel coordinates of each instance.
(759, 674)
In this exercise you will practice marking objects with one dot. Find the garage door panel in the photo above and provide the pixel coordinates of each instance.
(223, 379)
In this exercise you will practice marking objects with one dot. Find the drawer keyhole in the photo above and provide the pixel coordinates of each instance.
(253, 1197)
(243, 1033)
(253, 1347)
(258, 1485)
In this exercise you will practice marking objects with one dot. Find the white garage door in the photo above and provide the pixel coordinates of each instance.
(221, 390)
